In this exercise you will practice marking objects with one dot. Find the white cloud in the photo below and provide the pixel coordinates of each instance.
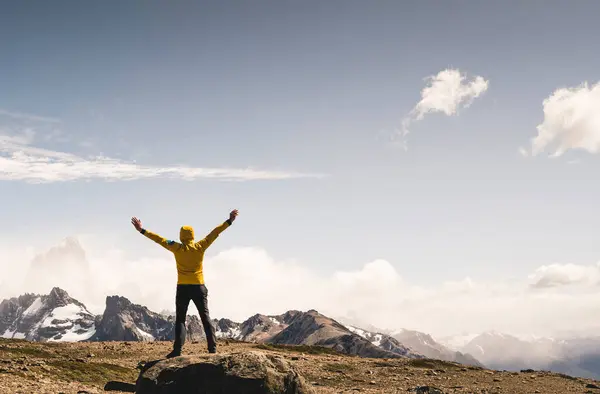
(245, 281)
(556, 275)
(447, 92)
(19, 161)
(571, 121)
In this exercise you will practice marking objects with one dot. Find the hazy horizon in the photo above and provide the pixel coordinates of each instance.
(426, 165)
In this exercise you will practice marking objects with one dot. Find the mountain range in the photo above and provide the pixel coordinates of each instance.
(59, 317)
(575, 356)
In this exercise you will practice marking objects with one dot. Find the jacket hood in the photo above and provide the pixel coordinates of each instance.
(186, 234)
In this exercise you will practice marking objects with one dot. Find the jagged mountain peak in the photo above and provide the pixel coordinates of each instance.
(69, 249)
(59, 297)
(52, 317)
(116, 303)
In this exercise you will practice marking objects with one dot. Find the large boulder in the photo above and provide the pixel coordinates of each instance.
(249, 372)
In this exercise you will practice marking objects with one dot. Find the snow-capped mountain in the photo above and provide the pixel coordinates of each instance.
(573, 356)
(417, 342)
(426, 345)
(64, 265)
(52, 317)
(257, 328)
(312, 328)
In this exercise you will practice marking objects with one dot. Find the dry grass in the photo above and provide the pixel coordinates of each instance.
(27, 367)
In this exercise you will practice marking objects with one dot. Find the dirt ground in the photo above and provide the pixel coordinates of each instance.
(28, 367)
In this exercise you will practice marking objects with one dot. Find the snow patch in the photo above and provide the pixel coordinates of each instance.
(72, 334)
(377, 340)
(357, 331)
(8, 334)
(69, 312)
(19, 335)
(144, 334)
(234, 333)
(274, 320)
(34, 307)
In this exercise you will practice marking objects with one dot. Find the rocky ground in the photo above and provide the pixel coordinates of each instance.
(30, 367)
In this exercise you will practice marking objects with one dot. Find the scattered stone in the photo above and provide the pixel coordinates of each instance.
(372, 382)
(426, 390)
(90, 355)
(497, 380)
(527, 370)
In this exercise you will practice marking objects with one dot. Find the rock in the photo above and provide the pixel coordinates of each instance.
(591, 386)
(241, 372)
(426, 390)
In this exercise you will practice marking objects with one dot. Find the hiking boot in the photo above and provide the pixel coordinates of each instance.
(174, 353)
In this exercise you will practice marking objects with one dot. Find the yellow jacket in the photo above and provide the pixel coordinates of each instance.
(188, 254)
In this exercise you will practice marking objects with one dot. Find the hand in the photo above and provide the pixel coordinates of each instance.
(233, 215)
(137, 223)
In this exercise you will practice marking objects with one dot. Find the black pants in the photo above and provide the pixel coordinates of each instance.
(198, 294)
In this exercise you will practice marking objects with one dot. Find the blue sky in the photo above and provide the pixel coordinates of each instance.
(311, 94)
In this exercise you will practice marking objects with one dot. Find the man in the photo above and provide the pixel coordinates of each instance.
(190, 279)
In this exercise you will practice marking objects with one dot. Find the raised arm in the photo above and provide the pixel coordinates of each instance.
(171, 246)
(213, 235)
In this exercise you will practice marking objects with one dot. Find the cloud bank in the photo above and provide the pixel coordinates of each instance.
(447, 92)
(20, 161)
(556, 275)
(571, 121)
(247, 280)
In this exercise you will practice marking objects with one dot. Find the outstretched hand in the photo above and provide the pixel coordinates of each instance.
(137, 223)
(233, 215)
